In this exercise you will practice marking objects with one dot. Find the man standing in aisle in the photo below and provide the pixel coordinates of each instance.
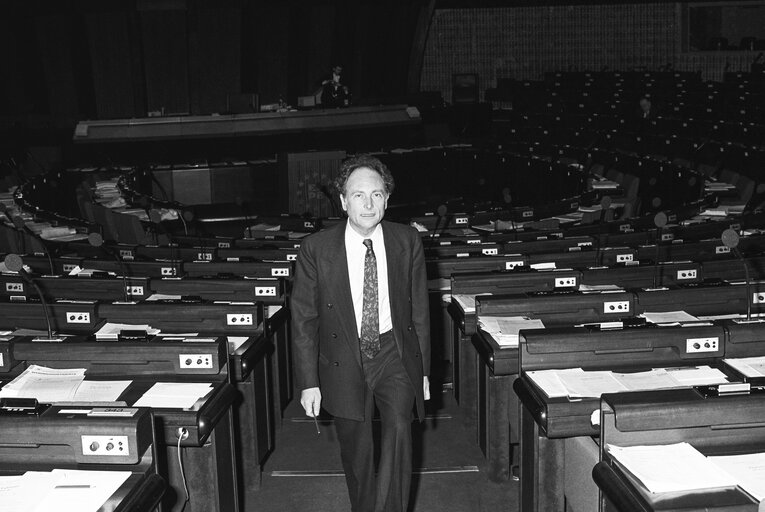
(360, 334)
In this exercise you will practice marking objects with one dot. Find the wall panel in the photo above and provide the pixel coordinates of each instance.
(525, 42)
(118, 92)
(165, 52)
(54, 38)
(214, 59)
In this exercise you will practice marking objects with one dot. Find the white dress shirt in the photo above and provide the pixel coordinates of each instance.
(355, 252)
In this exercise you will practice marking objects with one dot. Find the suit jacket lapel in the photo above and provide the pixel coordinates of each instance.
(338, 281)
(394, 254)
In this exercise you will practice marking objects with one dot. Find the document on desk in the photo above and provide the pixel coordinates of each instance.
(80, 490)
(598, 288)
(748, 469)
(162, 296)
(549, 381)
(578, 383)
(668, 317)
(466, 301)
(671, 467)
(697, 375)
(505, 329)
(234, 342)
(747, 366)
(591, 384)
(23, 493)
(656, 378)
(110, 331)
(45, 384)
(174, 395)
(100, 390)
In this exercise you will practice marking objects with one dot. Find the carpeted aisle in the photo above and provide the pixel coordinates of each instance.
(304, 473)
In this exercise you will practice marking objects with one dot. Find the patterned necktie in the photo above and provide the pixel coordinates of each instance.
(370, 319)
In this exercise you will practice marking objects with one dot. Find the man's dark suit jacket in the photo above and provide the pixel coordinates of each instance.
(324, 333)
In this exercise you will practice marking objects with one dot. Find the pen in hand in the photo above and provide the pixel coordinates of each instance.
(316, 422)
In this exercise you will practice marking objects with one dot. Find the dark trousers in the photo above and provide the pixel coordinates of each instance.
(388, 387)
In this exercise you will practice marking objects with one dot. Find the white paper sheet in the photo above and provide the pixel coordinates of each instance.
(466, 301)
(47, 385)
(234, 342)
(100, 390)
(110, 331)
(24, 492)
(81, 491)
(578, 383)
(668, 317)
(697, 375)
(549, 381)
(505, 329)
(748, 366)
(597, 288)
(657, 378)
(748, 470)
(162, 296)
(591, 384)
(668, 468)
(176, 395)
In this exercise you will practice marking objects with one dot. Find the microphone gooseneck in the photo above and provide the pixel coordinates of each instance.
(731, 239)
(440, 214)
(22, 226)
(659, 220)
(14, 263)
(96, 240)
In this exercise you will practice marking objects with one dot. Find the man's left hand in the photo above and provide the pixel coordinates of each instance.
(426, 387)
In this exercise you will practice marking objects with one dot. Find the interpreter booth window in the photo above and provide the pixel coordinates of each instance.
(724, 26)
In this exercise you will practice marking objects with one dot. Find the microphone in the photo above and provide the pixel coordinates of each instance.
(730, 239)
(156, 218)
(96, 240)
(441, 213)
(248, 228)
(605, 204)
(14, 263)
(22, 226)
(187, 217)
(659, 220)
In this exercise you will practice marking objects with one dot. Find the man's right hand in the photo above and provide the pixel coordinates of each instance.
(310, 399)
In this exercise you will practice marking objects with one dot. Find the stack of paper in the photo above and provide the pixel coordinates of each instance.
(175, 395)
(504, 329)
(62, 490)
(668, 317)
(47, 385)
(748, 366)
(91, 391)
(110, 331)
(50, 385)
(466, 301)
(697, 375)
(671, 468)
(680, 467)
(748, 470)
(599, 288)
(234, 342)
(577, 383)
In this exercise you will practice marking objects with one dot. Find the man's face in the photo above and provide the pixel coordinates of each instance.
(645, 105)
(337, 70)
(364, 200)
